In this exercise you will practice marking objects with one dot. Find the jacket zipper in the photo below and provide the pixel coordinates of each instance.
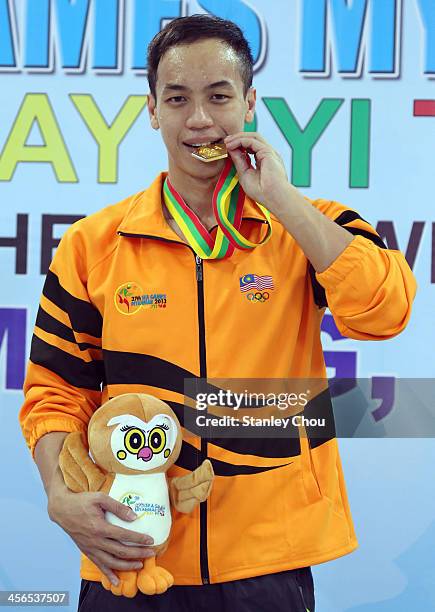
(203, 531)
(203, 535)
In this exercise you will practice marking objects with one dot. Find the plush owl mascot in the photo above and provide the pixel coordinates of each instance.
(134, 439)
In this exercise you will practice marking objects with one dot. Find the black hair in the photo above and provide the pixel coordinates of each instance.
(185, 30)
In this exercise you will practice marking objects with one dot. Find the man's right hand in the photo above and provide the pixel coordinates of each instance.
(96, 538)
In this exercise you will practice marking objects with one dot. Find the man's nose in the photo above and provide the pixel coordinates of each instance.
(199, 118)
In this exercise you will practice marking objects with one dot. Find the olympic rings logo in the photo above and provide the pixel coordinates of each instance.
(258, 296)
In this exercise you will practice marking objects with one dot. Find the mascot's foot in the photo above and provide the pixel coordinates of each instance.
(127, 584)
(153, 580)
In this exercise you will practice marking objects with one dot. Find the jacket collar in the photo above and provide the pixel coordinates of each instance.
(145, 215)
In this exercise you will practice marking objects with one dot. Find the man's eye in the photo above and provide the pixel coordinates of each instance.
(176, 99)
(220, 97)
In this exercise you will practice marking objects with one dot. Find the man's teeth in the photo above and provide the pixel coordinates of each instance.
(204, 144)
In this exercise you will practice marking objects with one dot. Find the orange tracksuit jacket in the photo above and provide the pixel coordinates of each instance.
(276, 504)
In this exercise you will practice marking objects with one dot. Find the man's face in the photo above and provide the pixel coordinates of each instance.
(200, 99)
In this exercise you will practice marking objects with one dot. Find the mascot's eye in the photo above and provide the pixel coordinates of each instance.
(157, 439)
(134, 440)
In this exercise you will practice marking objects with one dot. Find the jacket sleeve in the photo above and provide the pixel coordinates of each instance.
(369, 289)
(64, 376)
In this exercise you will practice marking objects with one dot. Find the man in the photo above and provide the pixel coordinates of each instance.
(130, 305)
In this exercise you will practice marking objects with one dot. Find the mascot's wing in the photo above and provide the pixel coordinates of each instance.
(188, 491)
(79, 471)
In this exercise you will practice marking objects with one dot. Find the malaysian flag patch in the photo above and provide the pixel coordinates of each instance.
(254, 281)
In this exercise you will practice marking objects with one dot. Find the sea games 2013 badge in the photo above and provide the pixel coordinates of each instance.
(130, 298)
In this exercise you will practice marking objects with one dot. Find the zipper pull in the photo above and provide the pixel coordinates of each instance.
(198, 268)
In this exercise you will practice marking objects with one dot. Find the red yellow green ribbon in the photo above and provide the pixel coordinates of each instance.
(228, 202)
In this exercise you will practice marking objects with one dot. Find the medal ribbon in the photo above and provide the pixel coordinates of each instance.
(228, 202)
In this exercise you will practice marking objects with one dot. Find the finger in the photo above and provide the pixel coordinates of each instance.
(247, 142)
(120, 510)
(114, 532)
(239, 160)
(106, 570)
(107, 530)
(112, 577)
(115, 563)
(123, 551)
(242, 134)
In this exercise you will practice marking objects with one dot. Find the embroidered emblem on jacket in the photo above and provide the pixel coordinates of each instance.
(130, 298)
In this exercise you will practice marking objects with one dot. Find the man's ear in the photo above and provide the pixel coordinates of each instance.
(152, 111)
(251, 98)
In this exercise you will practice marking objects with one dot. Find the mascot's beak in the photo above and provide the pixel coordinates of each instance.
(145, 453)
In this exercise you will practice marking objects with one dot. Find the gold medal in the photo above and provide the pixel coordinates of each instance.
(209, 153)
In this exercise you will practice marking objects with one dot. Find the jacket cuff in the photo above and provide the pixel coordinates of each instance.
(348, 261)
(50, 425)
